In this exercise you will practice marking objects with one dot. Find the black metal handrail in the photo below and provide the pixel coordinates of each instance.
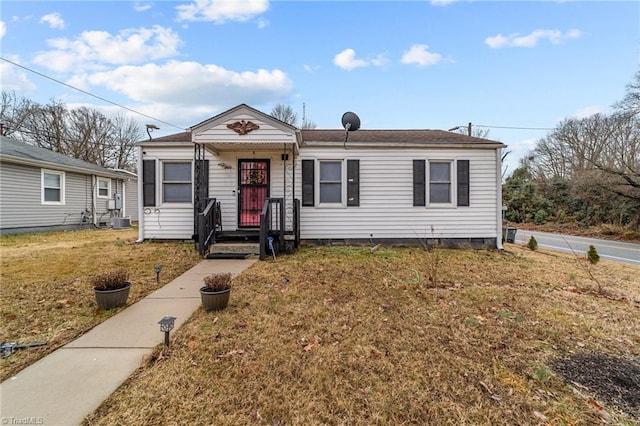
(207, 221)
(271, 225)
(296, 221)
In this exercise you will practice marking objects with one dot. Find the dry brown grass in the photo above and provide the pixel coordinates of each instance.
(46, 293)
(345, 336)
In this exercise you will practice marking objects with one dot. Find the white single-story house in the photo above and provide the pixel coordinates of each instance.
(42, 190)
(247, 173)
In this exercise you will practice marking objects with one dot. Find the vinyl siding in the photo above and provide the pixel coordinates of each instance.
(386, 198)
(20, 198)
(131, 199)
(220, 132)
(167, 221)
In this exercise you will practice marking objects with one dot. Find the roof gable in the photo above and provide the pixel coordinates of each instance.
(241, 111)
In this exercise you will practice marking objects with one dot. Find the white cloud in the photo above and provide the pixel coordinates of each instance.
(419, 55)
(262, 23)
(311, 68)
(3, 29)
(380, 60)
(54, 20)
(531, 40)
(347, 60)
(219, 11)
(191, 84)
(13, 78)
(93, 49)
(141, 7)
(442, 2)
(588, 111)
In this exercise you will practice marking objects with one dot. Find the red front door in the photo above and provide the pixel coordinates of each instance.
(253, 178)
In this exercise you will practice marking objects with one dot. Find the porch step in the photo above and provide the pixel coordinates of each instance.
(238, 236)
(231, 250)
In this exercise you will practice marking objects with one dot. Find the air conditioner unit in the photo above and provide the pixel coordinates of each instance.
(121, 222)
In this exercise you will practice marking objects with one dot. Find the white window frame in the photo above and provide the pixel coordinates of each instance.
(163, 182)
(108, 187)
(343, 182)
(43, 187)
(452, 183)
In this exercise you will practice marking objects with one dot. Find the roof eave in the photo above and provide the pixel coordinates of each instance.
(58, 166)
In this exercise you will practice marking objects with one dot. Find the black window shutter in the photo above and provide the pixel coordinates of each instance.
(149, 183)
(307, 182)
(463, 182)
(202, 178)
(353, 182)
(419, 188)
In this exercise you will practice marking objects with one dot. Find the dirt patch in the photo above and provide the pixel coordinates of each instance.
(612, 379)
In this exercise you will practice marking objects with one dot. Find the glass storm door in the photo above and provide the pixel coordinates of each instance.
(253, 178)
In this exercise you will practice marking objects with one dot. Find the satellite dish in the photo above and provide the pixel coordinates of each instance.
(350, 121)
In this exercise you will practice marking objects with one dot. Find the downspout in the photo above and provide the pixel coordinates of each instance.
(140, 198)
(94, 208)
(499, 198)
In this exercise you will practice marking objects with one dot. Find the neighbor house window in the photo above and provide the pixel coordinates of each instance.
(104, 188)
(176, 182)
(52, 187)
(330, 182)
(439, 182)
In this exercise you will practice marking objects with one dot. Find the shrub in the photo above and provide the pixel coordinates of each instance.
(540, 217)
(592, 255)
(532, 244)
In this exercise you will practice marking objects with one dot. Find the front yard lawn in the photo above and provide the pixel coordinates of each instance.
(340, 335)
(45, 292)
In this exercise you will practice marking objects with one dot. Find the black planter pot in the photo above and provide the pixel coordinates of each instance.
(107, 299)
(214, 300)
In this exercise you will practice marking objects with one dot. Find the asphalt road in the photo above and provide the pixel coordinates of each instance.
(611, 250)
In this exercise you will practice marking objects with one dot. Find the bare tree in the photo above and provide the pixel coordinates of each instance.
(82, 133)
(285, 113)
(631, 101)
(126, 133)
(14, 111)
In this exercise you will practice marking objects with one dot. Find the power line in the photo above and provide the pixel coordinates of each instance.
(513, 127)
(90, 94)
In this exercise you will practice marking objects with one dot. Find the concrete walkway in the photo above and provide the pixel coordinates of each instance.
(71, 382)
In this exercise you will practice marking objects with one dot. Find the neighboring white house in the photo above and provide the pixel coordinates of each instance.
(42, 190)
(395, 186)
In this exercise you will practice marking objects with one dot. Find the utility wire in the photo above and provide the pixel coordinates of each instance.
(182, 128)
(513, 127)
(90, 94)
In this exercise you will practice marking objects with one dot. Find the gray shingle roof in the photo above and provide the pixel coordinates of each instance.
(413, 137)
(418, 136)
(12, 150)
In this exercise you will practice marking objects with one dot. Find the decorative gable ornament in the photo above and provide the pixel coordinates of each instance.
(243, 127)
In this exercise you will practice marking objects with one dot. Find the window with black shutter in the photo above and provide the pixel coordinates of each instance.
(353, 183)
(419, 179)
(308, 193)
(149, 183)
(463, 182)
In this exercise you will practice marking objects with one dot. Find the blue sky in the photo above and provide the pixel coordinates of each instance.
(417, 64)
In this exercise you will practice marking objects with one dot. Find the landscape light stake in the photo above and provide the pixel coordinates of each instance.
(157, 268)
(166, 325)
